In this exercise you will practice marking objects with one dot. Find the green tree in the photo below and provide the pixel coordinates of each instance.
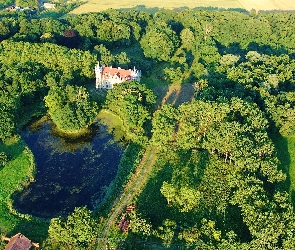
(27, 3)
(132, 102)
(3, 159)
(163, 126)
(77, 231)
(139, 224)
(187, 38)
(185, 198)
(159, 42)
(70, 108)
(166, 232)
(105, 56)
(7, 123)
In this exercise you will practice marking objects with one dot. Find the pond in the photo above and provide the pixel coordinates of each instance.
(70, 172)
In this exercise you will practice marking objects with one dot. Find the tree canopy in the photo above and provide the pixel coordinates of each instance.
(221, 177)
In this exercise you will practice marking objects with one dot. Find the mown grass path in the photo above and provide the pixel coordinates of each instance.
(134, 187)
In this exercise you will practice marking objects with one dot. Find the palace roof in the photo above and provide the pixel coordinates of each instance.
(122, 73)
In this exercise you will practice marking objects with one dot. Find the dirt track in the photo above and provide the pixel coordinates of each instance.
(136, 183)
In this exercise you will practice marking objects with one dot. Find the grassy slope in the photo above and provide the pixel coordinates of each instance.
(18, 172)
(285, 146)
(291, 151)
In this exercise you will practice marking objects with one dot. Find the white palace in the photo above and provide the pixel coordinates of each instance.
(107, 77)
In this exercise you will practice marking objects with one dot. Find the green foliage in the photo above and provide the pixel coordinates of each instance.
(231, 140)
(69, 62)
(17, 172)
(173, 74)
(186, 198)
(3, 159)
(7, 123)
(132, 102)
(138, 224)
(8, 27)
(271, 77)
(77, 231)
(70, 108)
(187, 38)
(217, 168)
(166, 232)
(289, 163)
(115, 235)
(105, 56)
(27, 3)
(159, 42)
(4, 3)
(209, 230)
(163, 126)
(2, 243)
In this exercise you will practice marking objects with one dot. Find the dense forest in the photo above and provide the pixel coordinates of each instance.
(222, 173)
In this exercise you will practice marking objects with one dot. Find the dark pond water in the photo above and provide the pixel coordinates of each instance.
(70, 172)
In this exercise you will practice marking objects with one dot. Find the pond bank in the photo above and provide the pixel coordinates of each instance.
(15, 175)
(71, 172)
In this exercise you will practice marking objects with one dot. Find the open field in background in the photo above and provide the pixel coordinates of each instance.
(268, 4)
(154, 5)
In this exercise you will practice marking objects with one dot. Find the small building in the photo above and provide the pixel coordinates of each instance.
(19, 242)
(49, 6)
(107, 77)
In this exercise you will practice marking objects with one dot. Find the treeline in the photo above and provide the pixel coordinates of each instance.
(234, 30)
(4, 3)
(161, 34)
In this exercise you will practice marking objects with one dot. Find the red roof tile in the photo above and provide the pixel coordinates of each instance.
(18, 242)
(120, 72)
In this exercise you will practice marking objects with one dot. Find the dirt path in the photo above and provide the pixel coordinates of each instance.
(174, 95)
(136, 183)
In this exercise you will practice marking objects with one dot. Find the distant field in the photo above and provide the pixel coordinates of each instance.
(268, 4)
(153, 5)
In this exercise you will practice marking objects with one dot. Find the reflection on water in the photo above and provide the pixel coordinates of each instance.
(70, 172)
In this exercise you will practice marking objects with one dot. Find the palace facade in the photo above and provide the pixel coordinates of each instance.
(107, 77)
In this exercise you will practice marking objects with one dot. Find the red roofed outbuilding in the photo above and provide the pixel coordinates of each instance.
(19, 242)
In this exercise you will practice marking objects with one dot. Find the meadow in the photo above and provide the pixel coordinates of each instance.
(154, 5)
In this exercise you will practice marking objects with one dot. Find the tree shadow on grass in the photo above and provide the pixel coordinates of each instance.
(12, 150)
(35, 230)
(281, 146)
(176, 95)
